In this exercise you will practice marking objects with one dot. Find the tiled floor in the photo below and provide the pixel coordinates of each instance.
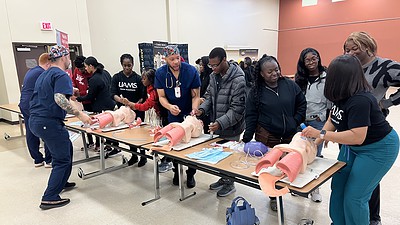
(116, 197)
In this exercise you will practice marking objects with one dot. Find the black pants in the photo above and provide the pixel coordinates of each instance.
(189, 172)
(374, 205)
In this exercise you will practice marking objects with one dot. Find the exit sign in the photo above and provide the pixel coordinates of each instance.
(46, 26)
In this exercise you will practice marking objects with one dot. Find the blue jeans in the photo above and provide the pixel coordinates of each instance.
(317, 125)
(33, 142)
(353, 185)
(55, 135)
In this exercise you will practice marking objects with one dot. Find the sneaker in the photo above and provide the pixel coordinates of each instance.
(190, 182)
(217, 185)
(88, 146)
(133, 160)
(226, 190)
(164, 167)
(112, 153)
(39, 164)
(316, 196)
(47, 165)
(375, 222)
(69, 185)
(175, 180)
(273, 205)
(142, 161)
(54, 204)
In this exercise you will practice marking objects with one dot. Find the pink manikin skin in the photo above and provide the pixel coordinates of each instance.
(103, 119)
(301, 152)
(162, 132)
(269, 159)
(175, 135)
(130, 115)
(197, 125)
(290, 165)
(267, 184)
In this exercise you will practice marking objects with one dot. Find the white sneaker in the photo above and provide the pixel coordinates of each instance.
(47, 165)
(39, 164)
(316, 196)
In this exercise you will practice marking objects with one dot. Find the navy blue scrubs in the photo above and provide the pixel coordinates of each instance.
(46, 122)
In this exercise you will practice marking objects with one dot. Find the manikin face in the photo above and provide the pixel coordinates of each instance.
(270, 72)
(311, 61)
(352, 49)
(127, 66)
(174, 62)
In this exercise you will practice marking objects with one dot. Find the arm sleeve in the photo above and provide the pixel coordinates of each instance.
(206, 106)
(237, 105)
(92, 92)
(149, 103)
(63, 85)
(251, 117)
(301, 105)
(359, 111)
(114, 86)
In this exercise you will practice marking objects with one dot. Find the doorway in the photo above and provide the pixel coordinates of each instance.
(27, 54)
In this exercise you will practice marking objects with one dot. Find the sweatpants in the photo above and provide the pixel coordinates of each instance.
(353, 185)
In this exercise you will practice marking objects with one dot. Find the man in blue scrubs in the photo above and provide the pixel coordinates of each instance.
(48, 107)
(178, 88)
(32, 141)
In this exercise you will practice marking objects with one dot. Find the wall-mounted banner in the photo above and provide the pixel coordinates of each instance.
(62, 39)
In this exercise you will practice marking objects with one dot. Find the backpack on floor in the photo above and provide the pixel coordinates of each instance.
(242, 214)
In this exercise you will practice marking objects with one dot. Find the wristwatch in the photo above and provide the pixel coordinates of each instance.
(322, 134)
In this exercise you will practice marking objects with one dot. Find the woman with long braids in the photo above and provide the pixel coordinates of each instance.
(277, 108)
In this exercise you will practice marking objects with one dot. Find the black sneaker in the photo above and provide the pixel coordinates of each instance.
(112, 153)
(190, 182)
(133, 160)
(69, 185)
(217, 185)
(54, 204)
(142, 161)
(226, 190)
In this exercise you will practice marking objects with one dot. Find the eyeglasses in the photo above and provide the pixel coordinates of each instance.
(214, 66)
(312, 60)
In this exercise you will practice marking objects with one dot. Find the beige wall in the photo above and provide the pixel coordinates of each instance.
(106, 29)
(20, 22)
(231, 24)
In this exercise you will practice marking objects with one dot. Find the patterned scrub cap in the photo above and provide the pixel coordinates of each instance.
(170, 50)
(57, 51)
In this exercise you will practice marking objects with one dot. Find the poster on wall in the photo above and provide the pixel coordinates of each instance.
(184, 51)
(146, 56)
(62, 40)
(249, 52)
(158, 47)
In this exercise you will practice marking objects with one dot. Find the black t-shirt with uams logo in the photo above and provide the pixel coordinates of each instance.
(361, 110)
(130, 87)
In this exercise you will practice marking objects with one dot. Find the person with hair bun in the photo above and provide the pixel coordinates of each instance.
(380, 73)
(369, 145)
(276, 110)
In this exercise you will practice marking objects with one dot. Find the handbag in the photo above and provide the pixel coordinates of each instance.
(242, 214)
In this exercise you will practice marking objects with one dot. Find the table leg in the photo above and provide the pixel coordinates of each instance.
(156, 181)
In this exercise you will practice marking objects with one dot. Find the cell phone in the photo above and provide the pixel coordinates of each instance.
(222, 141)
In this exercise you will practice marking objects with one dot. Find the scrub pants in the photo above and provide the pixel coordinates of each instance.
(317, 125)
(33, 142)
(353, 185)
(55, 135)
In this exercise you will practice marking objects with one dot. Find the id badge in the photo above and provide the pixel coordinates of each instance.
(177, 92)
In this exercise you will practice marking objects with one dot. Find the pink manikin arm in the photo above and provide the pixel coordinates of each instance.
(269, 159)
(291, 165)
(103, 119)
(162, 132)
(267, 184)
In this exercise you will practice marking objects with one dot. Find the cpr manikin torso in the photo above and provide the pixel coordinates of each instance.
(180, 132)
(114, 118)
(300, 152)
